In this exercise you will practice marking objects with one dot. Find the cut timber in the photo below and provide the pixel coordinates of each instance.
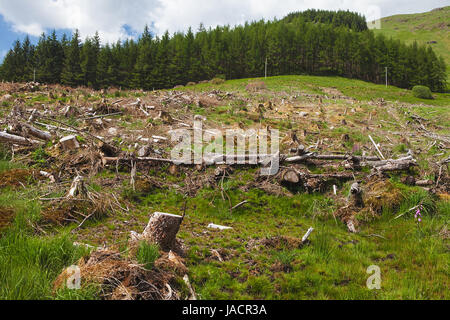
(32, 131)
(314, 156)
(6, 137)
(396, 165)
(162, 229)
(424, 183)
(69, 143)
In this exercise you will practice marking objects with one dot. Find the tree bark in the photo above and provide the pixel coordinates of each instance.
(6, 137)
(162, 229)
(35, 132)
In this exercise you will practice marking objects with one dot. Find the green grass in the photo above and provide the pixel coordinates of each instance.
(147, 254)
(332, 265)
(28, 263)
(421, 27)
(361, 90)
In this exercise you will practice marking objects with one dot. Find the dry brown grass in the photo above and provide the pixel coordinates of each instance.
(17, 177)
(6, 217)
(121, 279)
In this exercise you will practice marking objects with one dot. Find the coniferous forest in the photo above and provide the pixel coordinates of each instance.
(313, 42)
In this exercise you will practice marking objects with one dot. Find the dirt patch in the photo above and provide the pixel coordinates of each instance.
(280, 267)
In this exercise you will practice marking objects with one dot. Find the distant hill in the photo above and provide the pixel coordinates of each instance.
(429, 28)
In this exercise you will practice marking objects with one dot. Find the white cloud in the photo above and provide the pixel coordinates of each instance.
(109, 16)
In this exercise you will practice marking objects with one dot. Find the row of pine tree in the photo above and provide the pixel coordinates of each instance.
(313, 42)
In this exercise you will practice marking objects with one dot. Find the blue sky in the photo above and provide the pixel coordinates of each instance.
(118, 19)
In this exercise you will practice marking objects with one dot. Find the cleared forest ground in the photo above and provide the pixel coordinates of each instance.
(263, 255)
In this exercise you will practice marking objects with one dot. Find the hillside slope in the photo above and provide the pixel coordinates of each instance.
(432, 28)
(263, 256)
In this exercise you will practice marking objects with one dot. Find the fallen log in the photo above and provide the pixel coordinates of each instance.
(395, 165)
(314, 156)
(11, 138)
(18, 126)
(424, 183)
(314, 182)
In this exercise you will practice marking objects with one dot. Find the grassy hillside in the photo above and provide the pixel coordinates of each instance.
(262, 256)
(423, 28)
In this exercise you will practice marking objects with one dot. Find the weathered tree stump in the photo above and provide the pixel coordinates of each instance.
(291, 176)
(356, 195)
(69, 143)
(162, 229)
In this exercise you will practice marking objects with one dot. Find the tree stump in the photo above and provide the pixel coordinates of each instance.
(162, 229)
(291, 176)
(356, 195)
(69, 143)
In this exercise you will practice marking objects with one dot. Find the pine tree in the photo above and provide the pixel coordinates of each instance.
(72, 74)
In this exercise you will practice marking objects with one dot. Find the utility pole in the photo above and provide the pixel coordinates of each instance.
(265, 73)
(386, 77)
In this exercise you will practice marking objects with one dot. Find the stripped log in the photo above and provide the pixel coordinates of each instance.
(314, 156)
(396, 165)
(424, 183)
(314, 182)
(11, 138)
(18, 127)
(162, 229)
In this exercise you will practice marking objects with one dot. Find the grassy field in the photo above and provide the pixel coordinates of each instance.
(423, 28)
(261, 256)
